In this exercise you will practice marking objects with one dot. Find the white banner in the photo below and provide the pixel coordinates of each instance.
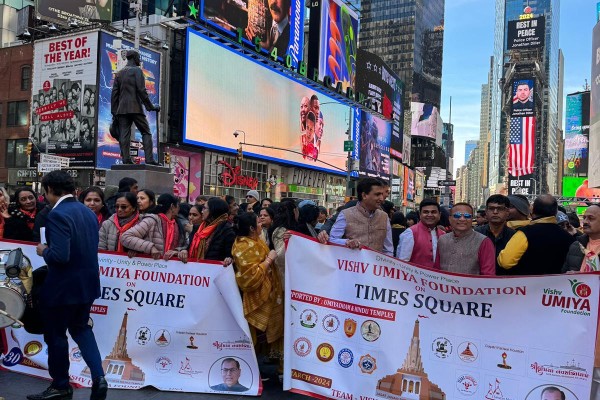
(165, 324)
(360, 325)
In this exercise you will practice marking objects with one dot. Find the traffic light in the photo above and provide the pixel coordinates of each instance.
(240, 154)
(167, 158)
(29, 148)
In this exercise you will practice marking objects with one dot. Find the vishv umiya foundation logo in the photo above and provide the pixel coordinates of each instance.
(576, 302)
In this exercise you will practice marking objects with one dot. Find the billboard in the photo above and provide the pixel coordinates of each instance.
(64, 93)
(524, 184)
(108, 152)
(283, 119)
(425, 121)
(409, 179)
(577, 127)
(522, 98)
(61, 11)
(526, 34)
(374, 142)
(376, 80)
(338, 42)
(573, 186)
(594, 135)
(279, 24)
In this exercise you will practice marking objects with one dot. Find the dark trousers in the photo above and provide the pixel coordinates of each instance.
(74, 318)
(141, 122)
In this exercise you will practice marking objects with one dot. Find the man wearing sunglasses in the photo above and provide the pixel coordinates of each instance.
(497, 209)
(463, 250)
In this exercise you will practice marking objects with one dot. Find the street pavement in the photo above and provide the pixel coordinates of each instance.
(15, 386)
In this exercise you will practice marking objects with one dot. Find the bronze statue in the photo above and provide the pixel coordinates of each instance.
(128, 95)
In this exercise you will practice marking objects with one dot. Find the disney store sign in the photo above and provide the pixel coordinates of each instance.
(232, 176)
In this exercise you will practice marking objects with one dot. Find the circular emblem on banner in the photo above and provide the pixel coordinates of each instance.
(441, 347)
(75, 354)
(466, 384)
(302, 346)
(32, 348)
(308, 318)
(345, 358)
(46, 86)
(163, 338)
(331, 323)
(367, 364)
(370, 330)
(13, 357)
(142, 336)
(325, 352)
(163, 364)
(571, 165)
(468, 352)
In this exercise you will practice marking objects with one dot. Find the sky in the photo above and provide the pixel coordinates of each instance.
(469, 43)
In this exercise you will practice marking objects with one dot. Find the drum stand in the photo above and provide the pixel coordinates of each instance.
(7, 315)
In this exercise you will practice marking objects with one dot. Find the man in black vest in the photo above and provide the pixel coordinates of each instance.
(127, 96)
(539, 248)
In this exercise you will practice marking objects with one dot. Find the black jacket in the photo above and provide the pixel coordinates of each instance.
(16, 228)
(575, 255)
(499, 242)
(221, 242)
(129, 91)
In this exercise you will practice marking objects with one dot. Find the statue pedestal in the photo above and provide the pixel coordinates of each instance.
(156, 178)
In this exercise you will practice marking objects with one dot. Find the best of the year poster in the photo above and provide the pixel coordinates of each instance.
(391, 330)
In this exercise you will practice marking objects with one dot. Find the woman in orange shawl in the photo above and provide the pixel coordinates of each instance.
(258, 279)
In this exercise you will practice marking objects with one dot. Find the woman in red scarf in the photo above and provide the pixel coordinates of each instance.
(125, 218)
(19, 225)
(93, 198)
(4, 199)
(158, 234)
(214, 238)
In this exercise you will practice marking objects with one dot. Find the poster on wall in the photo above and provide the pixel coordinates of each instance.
(374, 142)
(297, 124)
(187, 168)
(108, 152)
(522, 98)
(64, 94)
(392, 330)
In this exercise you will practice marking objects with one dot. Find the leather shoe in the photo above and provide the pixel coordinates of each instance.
(53, 394)
(127, 162)
(99, 389)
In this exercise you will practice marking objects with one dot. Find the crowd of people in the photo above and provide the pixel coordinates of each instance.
(509, 236)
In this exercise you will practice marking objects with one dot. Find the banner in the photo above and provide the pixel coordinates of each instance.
(64, 94)
(109, 152)
(524, 184)
(577, 129)
(391, 330)
(160, 323)
(526, 34)
(522, 98)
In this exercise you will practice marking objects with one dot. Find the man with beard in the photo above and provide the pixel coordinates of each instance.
(496, 212)
(280, 32)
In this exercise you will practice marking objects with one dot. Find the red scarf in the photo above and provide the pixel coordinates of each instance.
(31, 215)
(100, 217)
(124, 228)
(200, 241)
(170, 231)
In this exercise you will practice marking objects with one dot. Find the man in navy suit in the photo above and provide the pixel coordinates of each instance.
(70, 288)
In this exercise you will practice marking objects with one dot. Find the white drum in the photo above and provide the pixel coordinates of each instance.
(12, 301)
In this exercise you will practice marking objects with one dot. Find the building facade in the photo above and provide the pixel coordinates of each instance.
(469, 147)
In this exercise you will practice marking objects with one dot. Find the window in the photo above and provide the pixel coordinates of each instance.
(17, 113)
(16, 156)
(26, 77)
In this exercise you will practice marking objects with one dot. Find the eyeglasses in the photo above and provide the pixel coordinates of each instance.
(457, 215)
(229, 370)
(496, 209)
(249, 197)
(122, 207)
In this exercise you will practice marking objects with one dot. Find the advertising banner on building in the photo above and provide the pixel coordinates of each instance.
(61, 11)
(185, 352)
(186, 168)
(409, 183)
(425, 121)
(391, 330)
(376, 80)
(577, 129)
(108, 152)
(594, 165)
(338, 42)
(526, 34)
(64, 93)
(521, 146)
(522, 98)
(579, 187)
(523, 184)
(374, 142)
(278, 118)
(419, 186)
(280, 25)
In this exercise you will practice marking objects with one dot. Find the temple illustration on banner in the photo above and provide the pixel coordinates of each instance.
(411, 381)
(118, 366)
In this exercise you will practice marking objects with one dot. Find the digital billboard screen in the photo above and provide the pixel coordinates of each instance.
(61, 11)
(594, 146)
(374, 142)
(279, 24)
(526, 34)
(108, 151)
(425, 121)
(524, 184)
(295, 123)
(522, 98)
(577, 134)
(376, 80)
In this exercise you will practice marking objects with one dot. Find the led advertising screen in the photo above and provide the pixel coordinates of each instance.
(526, 34)
(374, 142)
(577, 127)
(282, 119)
(524, 184)
(108, 151)
(338, 42)
(82, 10)
(279, 24)
(594, 135)
(409, 179)
(425, 121)
(64, 92)
(376, 80)
(522, 98)
(579, 187)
